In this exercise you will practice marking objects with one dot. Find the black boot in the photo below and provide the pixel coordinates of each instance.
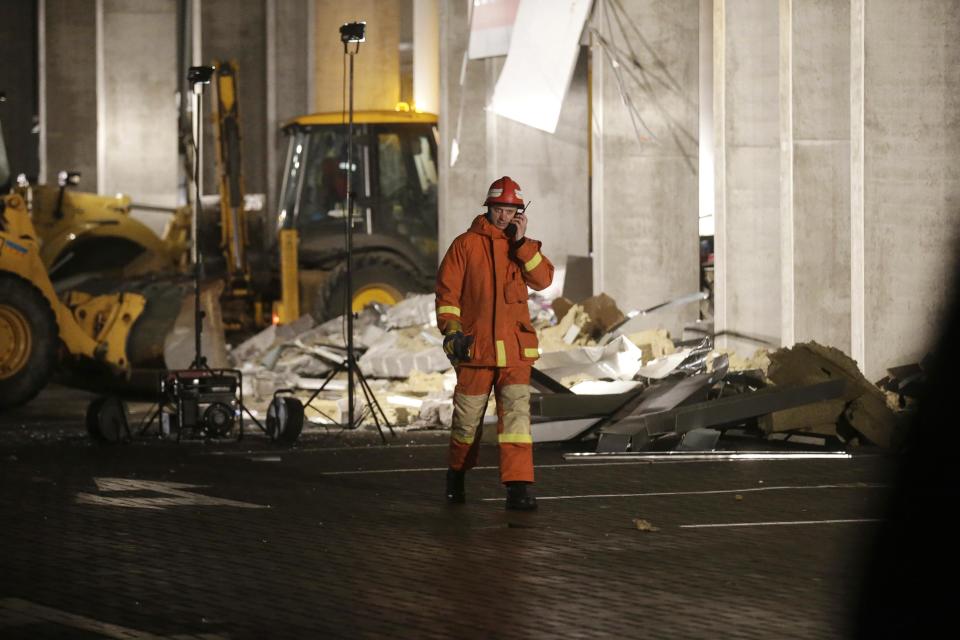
(518, 499)
(455, 490)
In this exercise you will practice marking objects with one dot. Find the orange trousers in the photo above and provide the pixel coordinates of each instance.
(512, 391)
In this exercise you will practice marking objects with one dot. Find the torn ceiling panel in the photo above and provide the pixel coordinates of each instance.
(540, 62)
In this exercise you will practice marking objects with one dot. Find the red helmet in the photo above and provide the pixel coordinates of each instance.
(504, 191)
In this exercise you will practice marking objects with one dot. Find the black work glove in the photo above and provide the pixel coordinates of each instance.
(457, 347)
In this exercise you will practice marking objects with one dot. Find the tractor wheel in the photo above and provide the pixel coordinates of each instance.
(377, 277)
(29, 340)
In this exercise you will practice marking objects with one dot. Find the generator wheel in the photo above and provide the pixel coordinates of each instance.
(377, 277)
(107, 420)
(29, 340)
(285, 419)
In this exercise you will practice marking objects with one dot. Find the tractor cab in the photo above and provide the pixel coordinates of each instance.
(395, 212)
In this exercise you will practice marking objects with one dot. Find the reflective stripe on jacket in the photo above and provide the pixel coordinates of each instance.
(482, 290)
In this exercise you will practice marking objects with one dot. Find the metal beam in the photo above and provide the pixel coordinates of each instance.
(719, 456)
(717, 412)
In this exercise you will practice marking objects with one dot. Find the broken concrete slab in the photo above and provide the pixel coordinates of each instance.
(400, 352)
(414, 311)
(291, 330)
(253, 347)
(259, 345)
(436, 411)
(332, 333)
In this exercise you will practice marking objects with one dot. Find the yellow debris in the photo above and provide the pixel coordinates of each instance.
(759, 360)
(644, 525)
(552, 338)
(654, 343)
(419, 381)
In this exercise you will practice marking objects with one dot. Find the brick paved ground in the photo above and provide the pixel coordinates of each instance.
(338, 538)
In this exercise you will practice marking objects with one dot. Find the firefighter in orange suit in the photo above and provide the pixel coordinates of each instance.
(482, 312)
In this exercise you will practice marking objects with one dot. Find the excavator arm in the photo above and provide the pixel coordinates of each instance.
(233, 224)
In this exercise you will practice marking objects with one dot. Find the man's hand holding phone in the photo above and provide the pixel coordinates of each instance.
(518, 226)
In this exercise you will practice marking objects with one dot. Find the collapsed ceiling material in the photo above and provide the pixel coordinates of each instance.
(641, 391)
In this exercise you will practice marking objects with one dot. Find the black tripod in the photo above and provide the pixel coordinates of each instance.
(353, 32)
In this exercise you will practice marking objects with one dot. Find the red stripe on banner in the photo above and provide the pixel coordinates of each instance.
(488, 14)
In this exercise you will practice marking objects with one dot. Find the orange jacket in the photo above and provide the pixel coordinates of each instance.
(482, 290)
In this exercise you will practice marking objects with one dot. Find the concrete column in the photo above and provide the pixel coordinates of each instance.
(905, 175)
(18, 79)
(646, 220)
(426, 53)
(377, 66)
(706, 169)
(551, 169)
(747, 246)
(137, 78)
(236, 29)
(68, 78)
(815, 171)
(287, 80)
(462, 118)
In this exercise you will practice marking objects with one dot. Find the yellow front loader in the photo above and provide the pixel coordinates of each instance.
(35, 322)
(84, 233)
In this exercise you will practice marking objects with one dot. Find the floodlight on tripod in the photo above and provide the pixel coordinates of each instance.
(353, 33)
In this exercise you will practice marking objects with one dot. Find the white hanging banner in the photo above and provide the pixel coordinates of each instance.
(539, 65)
(490, 27)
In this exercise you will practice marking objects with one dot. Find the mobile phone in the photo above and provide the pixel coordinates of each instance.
(511, 229)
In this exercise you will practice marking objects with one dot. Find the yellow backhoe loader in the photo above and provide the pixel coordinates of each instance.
(395, 216)
(295, 263)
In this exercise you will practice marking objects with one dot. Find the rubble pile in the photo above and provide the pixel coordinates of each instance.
(584, 353)
(862, 411)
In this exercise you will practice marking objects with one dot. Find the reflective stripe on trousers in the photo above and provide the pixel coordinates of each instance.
(512, 390)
